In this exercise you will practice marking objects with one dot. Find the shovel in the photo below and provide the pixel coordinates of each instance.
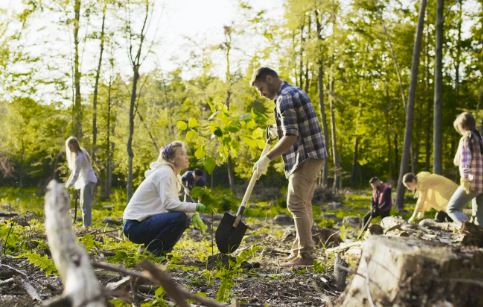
(364, 227)
(231, 230)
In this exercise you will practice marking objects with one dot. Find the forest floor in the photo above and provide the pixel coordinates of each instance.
(251, 276)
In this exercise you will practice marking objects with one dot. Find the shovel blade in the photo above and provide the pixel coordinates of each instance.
(227, 237)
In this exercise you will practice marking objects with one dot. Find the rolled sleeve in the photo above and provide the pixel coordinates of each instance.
(288, 116)
(465, 162)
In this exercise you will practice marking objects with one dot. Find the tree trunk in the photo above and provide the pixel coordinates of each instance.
(96, 86)
(396, 271)
(109, 147)
(438, 88)
(410, 106)
(77, 109)
(320, 88)
(136, 64)
(428, 104)
(355, 165)
(336, 183)
(130, 152)
(228, 44)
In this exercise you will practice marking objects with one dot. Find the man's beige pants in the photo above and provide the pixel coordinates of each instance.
(301, 185)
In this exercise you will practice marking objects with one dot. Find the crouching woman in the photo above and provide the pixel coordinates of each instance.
(155, 217)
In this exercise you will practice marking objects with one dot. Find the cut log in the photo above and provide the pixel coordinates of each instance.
(81, 286)
(410, 272)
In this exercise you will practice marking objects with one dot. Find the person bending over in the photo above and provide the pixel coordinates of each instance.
(433, 192)
(381, 201)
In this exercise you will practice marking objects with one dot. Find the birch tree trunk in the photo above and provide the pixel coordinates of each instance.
(410, 106)
(81, 287)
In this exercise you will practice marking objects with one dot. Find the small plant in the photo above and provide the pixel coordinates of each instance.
(43, 262)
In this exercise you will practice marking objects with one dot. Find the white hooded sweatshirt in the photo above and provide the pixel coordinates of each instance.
(158, 193)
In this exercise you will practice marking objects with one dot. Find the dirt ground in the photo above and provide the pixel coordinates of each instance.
(260, 281)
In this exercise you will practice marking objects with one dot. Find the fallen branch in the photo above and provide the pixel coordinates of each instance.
(342, 248)
(158, 277)
(31, 291)
(13, 269)
(81, 286)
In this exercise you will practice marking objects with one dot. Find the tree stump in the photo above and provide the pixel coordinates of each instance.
(81, 287)
(411, 272)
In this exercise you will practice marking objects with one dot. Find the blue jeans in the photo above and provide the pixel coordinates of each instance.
(159, 233)
(459, 199)
(87, 194)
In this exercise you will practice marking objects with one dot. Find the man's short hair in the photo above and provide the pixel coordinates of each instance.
(198, 172)
(261, 74)
(409, 177)
(373, 180)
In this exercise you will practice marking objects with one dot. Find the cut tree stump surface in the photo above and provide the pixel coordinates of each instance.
(412, 272)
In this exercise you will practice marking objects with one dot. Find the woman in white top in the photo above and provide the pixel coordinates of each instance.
(82, 177)
(155, 216)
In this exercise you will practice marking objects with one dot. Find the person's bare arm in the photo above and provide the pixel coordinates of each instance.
(282, 146)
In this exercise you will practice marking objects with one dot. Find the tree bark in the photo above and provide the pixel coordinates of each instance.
(109, 147)
(77, 108)
(410, 106)
(96, 86)
(136, 62)
(228, 44)
(320, 88)
(438, 88)
(336, 183)
(81, 287)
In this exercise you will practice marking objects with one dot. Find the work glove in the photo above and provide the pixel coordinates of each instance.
(465, 183)
(200, 207)
(198, 222)
(261, 166)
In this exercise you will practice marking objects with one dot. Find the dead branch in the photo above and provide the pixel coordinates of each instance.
(158, 277)
(81, 286)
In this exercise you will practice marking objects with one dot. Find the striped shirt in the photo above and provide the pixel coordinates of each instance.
(295, 115)
(471, 161)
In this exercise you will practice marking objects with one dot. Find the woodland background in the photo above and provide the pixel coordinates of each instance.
(386, 103)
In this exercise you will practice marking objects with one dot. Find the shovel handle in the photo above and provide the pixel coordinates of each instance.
(248, 192)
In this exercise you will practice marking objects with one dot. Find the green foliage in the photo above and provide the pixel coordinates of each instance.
(10, 236)
(41, 261)
(158, 300)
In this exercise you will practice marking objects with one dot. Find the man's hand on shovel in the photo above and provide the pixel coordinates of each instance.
(261, 166)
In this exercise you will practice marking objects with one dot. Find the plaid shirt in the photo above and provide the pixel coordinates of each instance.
(471, 162)
(295, 115)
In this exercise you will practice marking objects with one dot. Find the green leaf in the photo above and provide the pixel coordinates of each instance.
(200, 153)
(218, 132)
(193, 122)
(209, 164)
(181, 125)
(191, 135)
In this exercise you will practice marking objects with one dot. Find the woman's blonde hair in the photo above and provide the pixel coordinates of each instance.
(168, 152)
(72, 155)
(464, 121)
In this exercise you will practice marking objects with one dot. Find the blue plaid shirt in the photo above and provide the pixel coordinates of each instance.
(295, 115)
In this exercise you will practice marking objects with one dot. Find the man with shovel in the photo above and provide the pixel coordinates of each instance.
(302, 149)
